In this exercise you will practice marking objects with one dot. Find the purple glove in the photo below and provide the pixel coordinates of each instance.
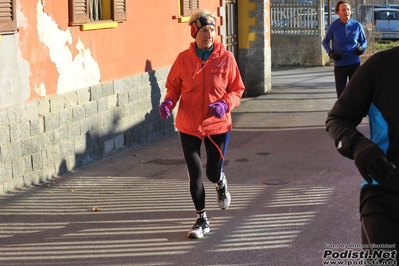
(218, 109)
(164, 108)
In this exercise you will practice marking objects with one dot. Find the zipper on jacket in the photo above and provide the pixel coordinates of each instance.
(199, 69)
(203, 62)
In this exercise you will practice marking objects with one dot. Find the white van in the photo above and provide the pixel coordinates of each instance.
(383, 23)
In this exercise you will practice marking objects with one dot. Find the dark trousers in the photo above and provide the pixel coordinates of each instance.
(342, 74)
(191, 146)
(379, 228)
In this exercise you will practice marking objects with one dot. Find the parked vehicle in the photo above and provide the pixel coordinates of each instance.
(391, 6)
(382, 23)
(363, 9)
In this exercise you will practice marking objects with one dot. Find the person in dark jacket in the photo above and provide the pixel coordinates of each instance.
(348, 41)
(373, 92)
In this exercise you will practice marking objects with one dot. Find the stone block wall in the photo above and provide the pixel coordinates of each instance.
(53, 135)
(297, 50)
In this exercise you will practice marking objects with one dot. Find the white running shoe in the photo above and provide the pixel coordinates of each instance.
(224, 197)
(200, 228)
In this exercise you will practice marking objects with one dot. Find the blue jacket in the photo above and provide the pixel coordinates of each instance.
(345, 38)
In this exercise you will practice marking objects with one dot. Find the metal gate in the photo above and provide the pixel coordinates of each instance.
(232, 27)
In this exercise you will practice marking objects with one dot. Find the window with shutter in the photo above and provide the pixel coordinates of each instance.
(119, 10)
(188, 7)
(78, 11)
(8, 21)
(86, 11)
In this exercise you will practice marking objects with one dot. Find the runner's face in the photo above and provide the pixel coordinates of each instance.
(344, 12)
(205, 37)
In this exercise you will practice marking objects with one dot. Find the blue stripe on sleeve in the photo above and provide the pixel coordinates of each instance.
(378, 132)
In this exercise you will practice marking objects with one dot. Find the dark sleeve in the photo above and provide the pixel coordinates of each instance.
(352, 106)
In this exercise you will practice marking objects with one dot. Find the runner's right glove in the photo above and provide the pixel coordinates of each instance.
(335, 55)
(164, 111)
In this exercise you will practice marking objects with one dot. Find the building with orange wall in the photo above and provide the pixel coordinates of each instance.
(74, 90)
(61, 57)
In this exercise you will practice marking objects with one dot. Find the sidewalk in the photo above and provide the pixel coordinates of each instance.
(292, 194)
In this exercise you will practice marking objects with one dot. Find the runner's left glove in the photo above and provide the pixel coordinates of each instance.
(218, 108)
(359, 50)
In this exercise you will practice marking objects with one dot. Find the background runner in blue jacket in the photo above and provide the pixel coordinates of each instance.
(344, 42)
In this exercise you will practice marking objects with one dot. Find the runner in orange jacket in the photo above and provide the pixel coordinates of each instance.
(206, 82)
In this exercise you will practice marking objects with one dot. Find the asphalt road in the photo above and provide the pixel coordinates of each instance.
(293, 195)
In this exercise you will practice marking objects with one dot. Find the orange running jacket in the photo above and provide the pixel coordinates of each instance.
(196, 84)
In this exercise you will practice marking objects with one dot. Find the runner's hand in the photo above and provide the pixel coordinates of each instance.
(372, 162)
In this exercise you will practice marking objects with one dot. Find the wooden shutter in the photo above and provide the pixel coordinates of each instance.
(78, 11)
(119, 10)
(8, 21)
(189, 7)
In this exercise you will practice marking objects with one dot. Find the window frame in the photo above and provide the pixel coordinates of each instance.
(188, 7)
(79, 12)
(8, 23)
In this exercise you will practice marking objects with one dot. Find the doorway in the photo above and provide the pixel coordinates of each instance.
(232, 27)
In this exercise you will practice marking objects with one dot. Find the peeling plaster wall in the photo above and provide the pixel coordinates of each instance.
(59, 61)
(74, 72)
(50, 57)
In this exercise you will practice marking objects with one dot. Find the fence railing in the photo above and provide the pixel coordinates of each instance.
(296, 19)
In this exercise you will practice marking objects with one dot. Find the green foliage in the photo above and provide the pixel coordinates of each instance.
(385, 45)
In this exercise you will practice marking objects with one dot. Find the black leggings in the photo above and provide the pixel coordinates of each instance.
(379, 228)
(341, 74)
(191, 146)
